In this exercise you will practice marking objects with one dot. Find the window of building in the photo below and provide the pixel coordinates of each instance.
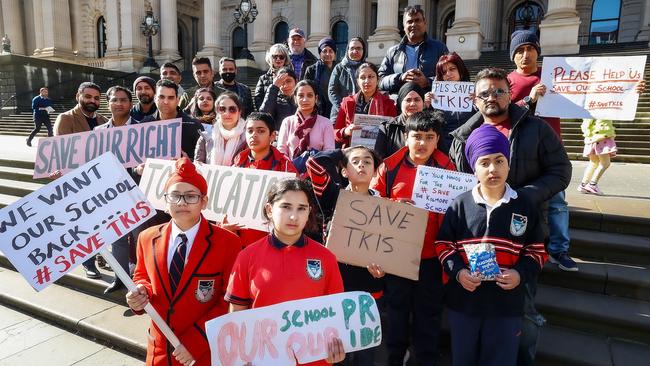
(281, 32)
(238, 41)
(526, 16)
(447, 24)
(101, 37)
(340, 36)
(605, 16)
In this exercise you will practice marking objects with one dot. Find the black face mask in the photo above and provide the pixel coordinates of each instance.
(228, 77)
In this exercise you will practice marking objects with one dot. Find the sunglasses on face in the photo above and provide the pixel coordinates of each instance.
(278, 57)
(497, 93)
(223, 109)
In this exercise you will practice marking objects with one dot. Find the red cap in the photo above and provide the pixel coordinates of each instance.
(186, 172)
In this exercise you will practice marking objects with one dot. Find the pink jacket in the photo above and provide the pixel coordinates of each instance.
(321, 136)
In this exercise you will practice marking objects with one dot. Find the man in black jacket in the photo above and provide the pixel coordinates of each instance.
(538, 164)
(301, 58)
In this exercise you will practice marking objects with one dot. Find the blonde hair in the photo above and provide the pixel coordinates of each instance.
(275, 49)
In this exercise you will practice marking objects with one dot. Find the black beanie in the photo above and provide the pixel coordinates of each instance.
(522, 37)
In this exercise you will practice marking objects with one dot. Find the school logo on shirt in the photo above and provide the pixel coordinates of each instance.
(314, 269)
(518, 224)
(204, 290)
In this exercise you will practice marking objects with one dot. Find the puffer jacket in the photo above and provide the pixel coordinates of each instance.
(594, 130)
(538, 161)
(342, 83)
(263, 84)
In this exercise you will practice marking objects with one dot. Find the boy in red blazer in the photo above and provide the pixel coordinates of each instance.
(182, 269)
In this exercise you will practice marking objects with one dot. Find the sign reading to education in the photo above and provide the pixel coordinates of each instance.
(591, 87)
(367, 229)
(50, 231)
(294, 331)
(367, 135)
(131, 144)
(454, 96)
(435, 189)
(236, 192)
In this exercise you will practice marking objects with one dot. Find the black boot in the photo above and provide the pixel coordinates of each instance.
(115, 286)
(91, 270)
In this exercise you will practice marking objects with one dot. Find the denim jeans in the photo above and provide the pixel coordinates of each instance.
(558, 224)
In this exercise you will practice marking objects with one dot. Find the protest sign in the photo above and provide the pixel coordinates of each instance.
(367, 229)
(369, 131)
(591, 87)
(131, 144)
(453, 96)
(52, 230)
(237, 192)
(435, 189)
(294, 331)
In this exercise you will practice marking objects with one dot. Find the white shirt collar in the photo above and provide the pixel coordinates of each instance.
(174, 240)
(507, 196)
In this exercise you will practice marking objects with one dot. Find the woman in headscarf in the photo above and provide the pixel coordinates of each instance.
(227, 137)
(343, 81)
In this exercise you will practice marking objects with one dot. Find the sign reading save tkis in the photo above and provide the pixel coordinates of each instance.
(294, 331)
(367, 229)
(236, 192)
(52, 230)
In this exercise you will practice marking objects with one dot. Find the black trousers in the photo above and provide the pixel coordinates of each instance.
(38, 122)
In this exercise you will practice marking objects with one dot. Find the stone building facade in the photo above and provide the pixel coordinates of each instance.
(107, 34)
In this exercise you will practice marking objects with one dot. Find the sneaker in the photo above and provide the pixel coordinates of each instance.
(564, 262)
(593, 189)
(582, 188)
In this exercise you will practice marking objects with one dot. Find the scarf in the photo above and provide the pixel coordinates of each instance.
(303, 128)
(226, 142)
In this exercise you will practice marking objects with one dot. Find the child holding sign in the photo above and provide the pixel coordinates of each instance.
(502, 230)
(405, 297)
(181, 269)
(286, 265)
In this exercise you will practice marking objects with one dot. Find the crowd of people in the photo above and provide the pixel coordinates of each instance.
(300, 119)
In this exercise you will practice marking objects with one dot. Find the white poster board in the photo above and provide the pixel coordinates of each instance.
(454, 96)
(435, 189)
(367, 135)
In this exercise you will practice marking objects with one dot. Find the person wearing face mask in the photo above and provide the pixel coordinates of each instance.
(228, 83)
(343, 81)
(321, 71)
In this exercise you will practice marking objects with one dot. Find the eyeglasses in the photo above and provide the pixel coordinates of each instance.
(223, 109)
(278, 57)
(497, 93)
(189, 198)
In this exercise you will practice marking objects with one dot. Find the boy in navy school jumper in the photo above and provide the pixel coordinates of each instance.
(415, 302)
(485, 317)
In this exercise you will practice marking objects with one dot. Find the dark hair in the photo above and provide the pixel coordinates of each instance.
(169, 65)
(492, 73)
(228, 95)
(164, 83)
(363, 45)
(114, 89)
(371, 66)
(227, 59)
(201, 61)
(86, 85)
(264, 117)
(425, 121)
(454, 59)
(289, 71)
(411, 10)
(347, 152)
(279, 188)
(195, 111)
(312, 85)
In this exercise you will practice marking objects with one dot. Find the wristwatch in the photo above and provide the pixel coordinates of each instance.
(528, 101)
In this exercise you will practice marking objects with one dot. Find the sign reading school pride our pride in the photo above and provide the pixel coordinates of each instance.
(435, 189)
(591, 87)
(294, 331)
(454, 96)
(131, 144)
(367, 229)
(50, 231)
(237, 192)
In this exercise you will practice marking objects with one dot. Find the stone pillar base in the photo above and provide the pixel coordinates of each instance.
(559, 36)
(258, 50)
(212, 53)
(378, 45)
(167, 56)
(466, 41)
(56, 53)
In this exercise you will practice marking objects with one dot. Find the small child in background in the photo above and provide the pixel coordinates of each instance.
(600, 147)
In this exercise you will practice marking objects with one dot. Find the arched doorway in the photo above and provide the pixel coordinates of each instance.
(526, 16)
(184, 45)
(238, 42)
(340, 36)
(101, 37)
(605, 18)
(447, 24)
(281, 32)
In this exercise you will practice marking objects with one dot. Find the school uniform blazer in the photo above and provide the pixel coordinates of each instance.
(74, 121)
(199, 296)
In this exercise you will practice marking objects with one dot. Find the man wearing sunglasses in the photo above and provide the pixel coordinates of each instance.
(228, 82)
(538, 164)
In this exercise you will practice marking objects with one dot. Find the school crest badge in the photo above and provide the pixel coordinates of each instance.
(518, 224)
(204, 290)
(314, 269)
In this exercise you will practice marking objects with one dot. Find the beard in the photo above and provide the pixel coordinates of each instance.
(145, 99)
(89, 107)
(494, 111)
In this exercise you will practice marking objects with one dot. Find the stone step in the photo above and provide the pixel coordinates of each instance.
(14, 188)
(609, 214)
(610, 247)
(620, 144)
(622, 158)
(621, 150)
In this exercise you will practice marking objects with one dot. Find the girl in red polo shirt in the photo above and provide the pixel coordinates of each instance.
(286, 265)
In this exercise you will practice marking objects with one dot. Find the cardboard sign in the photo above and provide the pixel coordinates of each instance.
(367, 229)
(367, 135)
(131, 144)
(294, 331)
(237, 192)
(454, 96)
(435, 189)
(50, 231)
(591, 87)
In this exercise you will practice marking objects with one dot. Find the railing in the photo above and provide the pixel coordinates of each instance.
(98, 62)
(3, 106)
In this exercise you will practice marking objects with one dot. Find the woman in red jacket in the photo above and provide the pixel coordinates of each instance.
(369, 100)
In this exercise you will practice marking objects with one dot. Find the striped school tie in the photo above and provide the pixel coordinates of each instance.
(178, 263)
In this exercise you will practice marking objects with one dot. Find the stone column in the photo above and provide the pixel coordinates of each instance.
(261, 36)
(465, 36)
(320, 24)
(644, 31)
(387, 34)
(559, 29)
(211, 31)
(112, 29)
(57, 32)
(133, 49)
(38, 26)
(13, 25)
(168, 31)
(488, 16)
(356, 18)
